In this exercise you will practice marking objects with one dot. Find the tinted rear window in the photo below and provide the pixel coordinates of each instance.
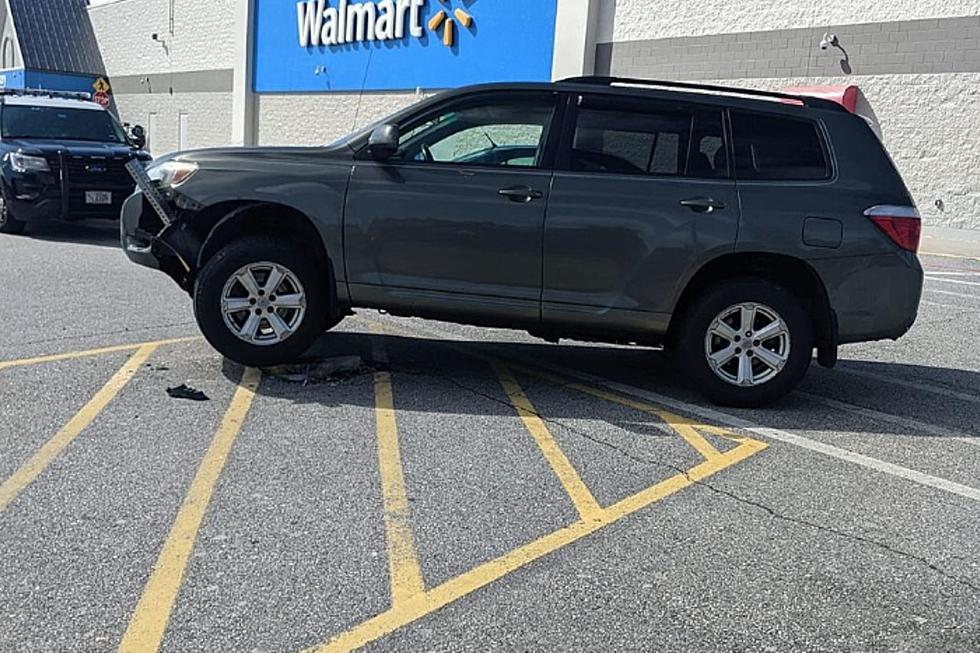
(652, 140)
(778, 148)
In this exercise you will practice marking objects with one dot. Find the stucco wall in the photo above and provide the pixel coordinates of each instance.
(931, 126)
(208, 117)
(625, 20)
(316, 119)
(203, 39)
(194, 61)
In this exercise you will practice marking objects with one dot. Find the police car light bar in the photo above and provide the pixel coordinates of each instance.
(38, 92)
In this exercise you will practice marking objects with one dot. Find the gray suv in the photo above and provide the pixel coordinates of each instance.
(741, 230)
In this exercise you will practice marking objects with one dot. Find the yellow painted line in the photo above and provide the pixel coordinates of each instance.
(51, 449)
(403, 561)
(51, 358)
(149, 621)
(686, 428)
(588, 508)
(481, 576)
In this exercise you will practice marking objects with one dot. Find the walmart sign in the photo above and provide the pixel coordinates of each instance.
(346, 45)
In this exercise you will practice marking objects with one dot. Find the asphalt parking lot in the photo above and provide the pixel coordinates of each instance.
(468, 489)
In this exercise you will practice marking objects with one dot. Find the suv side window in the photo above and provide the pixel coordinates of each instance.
(777, 148)
(649, 140)
(492, 132)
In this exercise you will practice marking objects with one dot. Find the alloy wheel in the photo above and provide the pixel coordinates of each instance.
(747, 344)
(263, 303)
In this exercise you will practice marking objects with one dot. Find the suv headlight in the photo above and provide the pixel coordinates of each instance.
(172, 173)
(21, 162)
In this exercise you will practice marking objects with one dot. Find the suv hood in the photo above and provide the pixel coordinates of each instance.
(251, 158)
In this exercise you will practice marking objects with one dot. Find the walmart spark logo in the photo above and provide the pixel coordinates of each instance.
(445, 21)
(321, 24)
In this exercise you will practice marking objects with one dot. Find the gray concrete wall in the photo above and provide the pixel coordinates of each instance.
(188, 71)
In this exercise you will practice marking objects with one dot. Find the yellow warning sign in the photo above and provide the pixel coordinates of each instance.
(101, 85)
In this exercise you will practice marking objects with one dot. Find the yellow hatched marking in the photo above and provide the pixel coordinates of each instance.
(403, 560)
(686, 428)
(149, 621)
(51, 449)
(427, 602)
(588, 508)
(51, 358)
(481, 576)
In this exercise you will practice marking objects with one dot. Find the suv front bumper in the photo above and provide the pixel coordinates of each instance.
(146, 241)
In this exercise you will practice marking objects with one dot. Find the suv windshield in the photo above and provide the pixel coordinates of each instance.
(59, 122)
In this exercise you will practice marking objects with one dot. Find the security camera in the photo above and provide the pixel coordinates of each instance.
(829, 40)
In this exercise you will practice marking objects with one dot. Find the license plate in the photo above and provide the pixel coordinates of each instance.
(98, 197)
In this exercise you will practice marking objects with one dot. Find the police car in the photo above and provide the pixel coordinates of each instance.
(62, 157)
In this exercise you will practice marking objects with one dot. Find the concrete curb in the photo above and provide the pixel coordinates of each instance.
(948, 241)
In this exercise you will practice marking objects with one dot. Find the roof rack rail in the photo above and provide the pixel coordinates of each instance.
(40, 92)
(751, 92)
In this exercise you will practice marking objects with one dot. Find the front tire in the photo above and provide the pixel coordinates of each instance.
(746, 343)
(8, 223)
(261, 302)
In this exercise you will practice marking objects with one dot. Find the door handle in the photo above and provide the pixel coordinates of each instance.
(522, 194)
(702, 204)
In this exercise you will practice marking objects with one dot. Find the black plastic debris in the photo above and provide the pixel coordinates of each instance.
(184, 391)
(330, 371)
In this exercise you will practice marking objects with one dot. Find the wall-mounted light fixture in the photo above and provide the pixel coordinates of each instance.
(829, 40)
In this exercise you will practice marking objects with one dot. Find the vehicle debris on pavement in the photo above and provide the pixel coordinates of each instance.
(328, 370)
(184, 391)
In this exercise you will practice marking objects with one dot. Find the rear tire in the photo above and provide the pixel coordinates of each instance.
(8, 223)
(720, 351)
(262, 302)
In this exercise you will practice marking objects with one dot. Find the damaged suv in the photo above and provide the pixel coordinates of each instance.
(741, 230)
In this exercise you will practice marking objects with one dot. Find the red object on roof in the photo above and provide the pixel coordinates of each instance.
(846, 96)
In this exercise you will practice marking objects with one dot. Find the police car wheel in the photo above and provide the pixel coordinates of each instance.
(8, 223)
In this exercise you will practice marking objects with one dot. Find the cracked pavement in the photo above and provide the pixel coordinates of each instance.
(847, 532)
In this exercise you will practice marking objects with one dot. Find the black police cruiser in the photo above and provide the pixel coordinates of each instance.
(62, 157)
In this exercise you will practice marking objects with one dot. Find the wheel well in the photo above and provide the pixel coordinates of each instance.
(218, 225)
(791, 273)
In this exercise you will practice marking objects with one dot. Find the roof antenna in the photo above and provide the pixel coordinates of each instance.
(360, 96)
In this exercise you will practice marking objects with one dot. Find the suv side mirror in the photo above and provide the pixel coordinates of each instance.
(138, 135)
(383, 142)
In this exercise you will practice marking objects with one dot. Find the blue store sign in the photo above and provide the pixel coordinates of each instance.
(347, 45)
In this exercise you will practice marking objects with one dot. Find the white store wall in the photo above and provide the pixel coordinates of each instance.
(626, 20)
(203, 38)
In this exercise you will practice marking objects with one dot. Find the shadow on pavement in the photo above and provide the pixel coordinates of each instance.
(422, 366)
(102, 233)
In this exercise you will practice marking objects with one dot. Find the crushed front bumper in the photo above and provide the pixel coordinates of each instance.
(149, 242)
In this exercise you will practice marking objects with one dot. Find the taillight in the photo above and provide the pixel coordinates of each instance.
(900, 223)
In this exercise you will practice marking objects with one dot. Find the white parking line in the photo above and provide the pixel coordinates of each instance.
(952, 294)
(868, 462)
(939, 273)
(928, 303)
(956, 281)
(914, 385)
(882, 466)
(888, 418)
